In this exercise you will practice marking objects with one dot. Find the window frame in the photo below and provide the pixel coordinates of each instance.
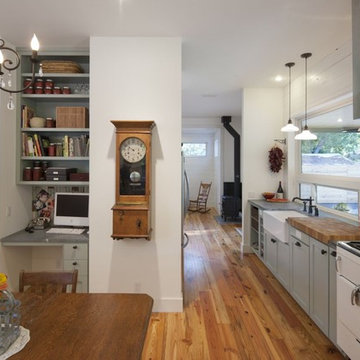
(196, 156)
(340, 182)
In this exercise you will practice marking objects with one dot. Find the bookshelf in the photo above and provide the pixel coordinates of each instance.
(44, 105)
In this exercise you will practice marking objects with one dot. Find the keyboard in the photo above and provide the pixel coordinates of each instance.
(67, 231)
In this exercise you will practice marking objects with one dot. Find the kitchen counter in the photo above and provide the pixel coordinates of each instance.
(267, 205)
(326, 229)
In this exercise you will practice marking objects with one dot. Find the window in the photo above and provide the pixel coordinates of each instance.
(343, 200)
(194, 149)
(337, 148)
(329, 167)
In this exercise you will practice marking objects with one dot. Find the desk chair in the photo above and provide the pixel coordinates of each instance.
(200, 203)
(48, 281)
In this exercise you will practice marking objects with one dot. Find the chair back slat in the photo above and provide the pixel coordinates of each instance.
(48, 281)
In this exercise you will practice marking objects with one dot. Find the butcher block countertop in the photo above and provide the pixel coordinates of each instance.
(326, 229)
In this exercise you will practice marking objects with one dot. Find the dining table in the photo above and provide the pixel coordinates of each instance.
(84, 326)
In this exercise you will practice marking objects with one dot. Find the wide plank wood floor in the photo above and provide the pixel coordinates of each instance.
(234, 307)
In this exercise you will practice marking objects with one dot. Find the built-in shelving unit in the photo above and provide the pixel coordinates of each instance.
(44, 105)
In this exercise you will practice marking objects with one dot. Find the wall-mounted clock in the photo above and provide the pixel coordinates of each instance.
(131, 212)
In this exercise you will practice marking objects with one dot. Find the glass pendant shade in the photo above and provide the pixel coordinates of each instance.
(289, 127)
(306, 135)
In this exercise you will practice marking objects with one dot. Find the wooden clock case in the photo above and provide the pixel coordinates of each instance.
(131, 213)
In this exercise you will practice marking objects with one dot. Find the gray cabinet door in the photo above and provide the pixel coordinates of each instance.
(319, 284)
(300, 272)
(271, 252)
(332, 295)
(283, 264)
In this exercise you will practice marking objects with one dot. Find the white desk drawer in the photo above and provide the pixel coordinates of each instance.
(75, 251)
(80, 265)
(347, 341)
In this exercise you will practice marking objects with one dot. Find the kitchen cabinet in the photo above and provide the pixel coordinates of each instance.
(257, 236)
(332, 294)
(300, 271)
(283, 264)
(271, 252)
(319, 284)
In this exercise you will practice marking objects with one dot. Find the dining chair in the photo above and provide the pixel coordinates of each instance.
(47, 281)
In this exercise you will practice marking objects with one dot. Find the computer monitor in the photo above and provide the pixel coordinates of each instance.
(71, 209)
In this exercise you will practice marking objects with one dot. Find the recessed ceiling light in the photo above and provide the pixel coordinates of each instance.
(278, 78)
(339, 120)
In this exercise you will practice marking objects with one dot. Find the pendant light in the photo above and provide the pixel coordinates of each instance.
(289, 127)
(306, 134)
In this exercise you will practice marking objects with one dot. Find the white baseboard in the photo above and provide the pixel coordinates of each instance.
(168, 305)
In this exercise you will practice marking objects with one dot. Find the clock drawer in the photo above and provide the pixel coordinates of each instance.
(131, 224)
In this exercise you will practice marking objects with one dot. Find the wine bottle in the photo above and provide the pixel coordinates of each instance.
(280, 192)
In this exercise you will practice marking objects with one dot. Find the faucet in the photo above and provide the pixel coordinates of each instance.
(311, 206)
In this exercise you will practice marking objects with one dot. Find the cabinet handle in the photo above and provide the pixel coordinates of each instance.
(354, 294)
(323, 252)
(138, 223)
(298, 244)
(333, 253)
(338, 258)
(75, 263)
(357, 340)
(75, 247)
(273, 241)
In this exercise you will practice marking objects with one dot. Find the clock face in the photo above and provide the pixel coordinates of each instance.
(133, 150)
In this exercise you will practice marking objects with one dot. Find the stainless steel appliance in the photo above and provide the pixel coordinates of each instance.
(348, 297)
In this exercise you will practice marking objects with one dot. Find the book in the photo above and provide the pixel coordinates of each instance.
(30, 146)
(37, 145)
(66, 146)
(71, 147)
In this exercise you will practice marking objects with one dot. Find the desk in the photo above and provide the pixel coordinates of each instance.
(74, 250)
(84, 326)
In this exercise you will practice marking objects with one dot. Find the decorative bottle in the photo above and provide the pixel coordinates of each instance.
(9, 316)
(280, 192)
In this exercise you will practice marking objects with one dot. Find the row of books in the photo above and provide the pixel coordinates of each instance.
(26, 114)
(66, 146)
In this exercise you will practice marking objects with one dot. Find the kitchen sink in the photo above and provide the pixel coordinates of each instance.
(275, 223)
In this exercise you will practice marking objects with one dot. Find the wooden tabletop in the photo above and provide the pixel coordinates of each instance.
(326, 229)
(84, 326)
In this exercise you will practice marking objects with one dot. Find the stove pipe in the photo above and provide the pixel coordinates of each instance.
(226, 120)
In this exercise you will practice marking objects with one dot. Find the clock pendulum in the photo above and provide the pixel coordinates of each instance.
(131, 212)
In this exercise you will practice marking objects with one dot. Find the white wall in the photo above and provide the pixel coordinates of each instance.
(201, 168)
(262, 119)
(13, 198)
(137, 78)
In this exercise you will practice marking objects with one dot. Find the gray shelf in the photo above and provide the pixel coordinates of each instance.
(55, 96)
(62, 158)
(54, 183)
(60, 75)
(44, 129)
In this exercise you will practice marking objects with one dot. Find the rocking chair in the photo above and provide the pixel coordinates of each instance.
(200, 203)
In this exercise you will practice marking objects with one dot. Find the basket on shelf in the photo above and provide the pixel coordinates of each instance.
(72, 117)
(61, 66)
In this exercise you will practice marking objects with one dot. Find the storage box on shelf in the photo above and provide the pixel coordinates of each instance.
(65, 144)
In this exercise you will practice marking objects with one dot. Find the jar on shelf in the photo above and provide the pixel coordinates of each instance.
(48, 90)
(10, 316)
(28, 173)
(51, 149)
(39, 90)
(66, 90)
(39, 83)
(27, 81)
(36, 163)
(44, 166)
(37, 173)
(29, 90)
(57, 90)
(49, 83)
(50, 122)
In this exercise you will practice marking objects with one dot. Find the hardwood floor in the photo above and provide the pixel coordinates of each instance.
(234, 307)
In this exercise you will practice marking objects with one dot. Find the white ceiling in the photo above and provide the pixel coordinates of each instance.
(227, 44)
